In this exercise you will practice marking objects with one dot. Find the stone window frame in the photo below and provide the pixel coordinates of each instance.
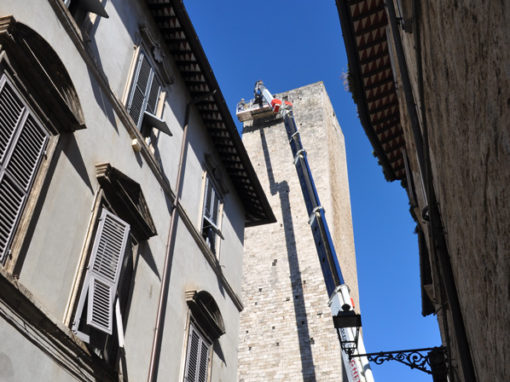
(213, 175)
(146, 44)
(37, 74)
(203, 372)
(206, 321)
(122, 197)
(206, 225)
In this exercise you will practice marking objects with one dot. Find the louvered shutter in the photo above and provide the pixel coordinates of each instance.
(204, 362)
(104, 270)
(197, 357)
(153, 96)
(192, 355)
(139, 88)
(22, 144)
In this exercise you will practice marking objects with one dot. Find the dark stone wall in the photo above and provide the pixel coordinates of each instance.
(465, 108)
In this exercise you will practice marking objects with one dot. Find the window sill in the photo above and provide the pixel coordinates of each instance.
(21, 310)
(209, 256)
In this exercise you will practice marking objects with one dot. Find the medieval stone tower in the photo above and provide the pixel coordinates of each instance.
(286, 329)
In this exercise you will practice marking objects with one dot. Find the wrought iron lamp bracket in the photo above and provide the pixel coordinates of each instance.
(414, 358)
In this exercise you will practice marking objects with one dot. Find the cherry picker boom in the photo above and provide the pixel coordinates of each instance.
(346, 321)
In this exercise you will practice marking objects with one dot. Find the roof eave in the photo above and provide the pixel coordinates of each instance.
(257, 208)
(358, 93)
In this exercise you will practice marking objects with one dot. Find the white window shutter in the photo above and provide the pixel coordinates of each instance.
(27, 153)
(197, 357)
(204, 362)
(104, 270)
(153, 96)
(140, 88)
(215, 207)
(192, 355)
(22, 144)
(11, 110)
(210, 219)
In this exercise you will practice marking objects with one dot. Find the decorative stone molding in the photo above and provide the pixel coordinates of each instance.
(206, 312)
(41, 76)
(126, 197)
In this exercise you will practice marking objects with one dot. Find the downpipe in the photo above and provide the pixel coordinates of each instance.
(167, 267)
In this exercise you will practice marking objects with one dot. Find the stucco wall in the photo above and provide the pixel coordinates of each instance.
(56, 243)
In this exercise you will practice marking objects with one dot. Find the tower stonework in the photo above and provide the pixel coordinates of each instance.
(286, 329)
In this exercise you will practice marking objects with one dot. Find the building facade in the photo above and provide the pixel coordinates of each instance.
(287, 331)
(124, 194)
(431, 83)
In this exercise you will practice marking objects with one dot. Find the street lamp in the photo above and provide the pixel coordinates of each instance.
(347, 318)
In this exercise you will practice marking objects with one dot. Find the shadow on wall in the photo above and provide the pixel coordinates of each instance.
(300, 315)
(90, 27)
(68, 146)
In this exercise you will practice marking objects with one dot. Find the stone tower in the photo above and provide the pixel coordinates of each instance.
(286, 329)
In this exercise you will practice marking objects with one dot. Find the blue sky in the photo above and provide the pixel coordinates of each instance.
(289, 44)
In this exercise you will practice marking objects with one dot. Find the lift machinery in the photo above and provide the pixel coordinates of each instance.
(346, 322)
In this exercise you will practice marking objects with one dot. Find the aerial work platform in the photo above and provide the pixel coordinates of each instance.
(346, 322)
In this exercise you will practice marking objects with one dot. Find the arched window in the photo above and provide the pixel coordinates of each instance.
(38, 102)
(206, 326)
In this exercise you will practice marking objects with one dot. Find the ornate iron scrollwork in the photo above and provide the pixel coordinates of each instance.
(414, 358)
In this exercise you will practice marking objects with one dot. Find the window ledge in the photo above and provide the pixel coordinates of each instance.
(26, 315)
(210, 257)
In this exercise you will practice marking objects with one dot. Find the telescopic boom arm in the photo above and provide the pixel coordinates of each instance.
(346, 321)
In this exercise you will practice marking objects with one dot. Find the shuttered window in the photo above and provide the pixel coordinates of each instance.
(23, 141)
(210, 224)
(145, 90)
(104, 270)
(197, 356)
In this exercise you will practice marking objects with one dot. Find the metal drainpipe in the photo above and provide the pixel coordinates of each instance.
(436, 225)
(165, 279)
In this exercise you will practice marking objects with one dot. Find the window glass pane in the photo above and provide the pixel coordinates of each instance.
(208, 194)
(215, 207)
